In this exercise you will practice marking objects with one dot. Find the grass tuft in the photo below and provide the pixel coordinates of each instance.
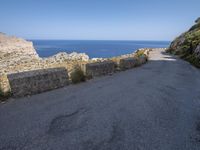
(77, 76)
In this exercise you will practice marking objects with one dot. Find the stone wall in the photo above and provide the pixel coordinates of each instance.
(127, 63)
(98, 68)
(33, 82)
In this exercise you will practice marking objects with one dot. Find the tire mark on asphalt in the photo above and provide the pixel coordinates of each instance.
(67, 123)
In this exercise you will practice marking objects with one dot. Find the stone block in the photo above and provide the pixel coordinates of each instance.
(37, 81)
(98, 68)
(127, 63)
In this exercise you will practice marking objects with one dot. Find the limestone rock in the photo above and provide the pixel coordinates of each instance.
(65, 56)
(12, 47)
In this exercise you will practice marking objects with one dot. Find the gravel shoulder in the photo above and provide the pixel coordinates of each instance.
(152, 107)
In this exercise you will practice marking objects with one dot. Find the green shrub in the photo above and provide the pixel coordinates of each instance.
(77, 76)
(139, 53)
(193, 60)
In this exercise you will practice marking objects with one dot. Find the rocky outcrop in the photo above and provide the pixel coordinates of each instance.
(61, 57)
(19, 55)
(187, 44)
(12, 47)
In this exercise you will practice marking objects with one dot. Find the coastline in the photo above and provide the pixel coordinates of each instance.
(94, 48)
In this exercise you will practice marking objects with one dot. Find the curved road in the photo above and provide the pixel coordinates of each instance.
(152, 107)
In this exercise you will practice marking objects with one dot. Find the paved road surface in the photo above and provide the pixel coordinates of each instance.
(153, 107)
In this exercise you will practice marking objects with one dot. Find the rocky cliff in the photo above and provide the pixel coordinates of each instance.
(19, 55)
(13, 50)
(187, 45)
(12, 46)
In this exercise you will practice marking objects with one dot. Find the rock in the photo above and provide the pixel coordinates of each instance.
(186, 43)
(197, 51)
(98, 59)
(198, 20)
(65, 56)
(12, 48)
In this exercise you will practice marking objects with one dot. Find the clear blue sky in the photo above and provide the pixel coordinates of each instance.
(98, 19)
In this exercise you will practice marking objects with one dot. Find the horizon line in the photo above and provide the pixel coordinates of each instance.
(95, 40)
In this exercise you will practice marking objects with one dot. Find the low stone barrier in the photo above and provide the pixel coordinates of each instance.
(127, 63)
(131, 62)
(37, 81)
(98, 68)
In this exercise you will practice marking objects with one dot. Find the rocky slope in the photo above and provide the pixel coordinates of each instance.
(187, 45)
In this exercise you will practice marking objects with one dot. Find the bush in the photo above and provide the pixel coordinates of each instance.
(139, 53)
(4, 96)
(193, 60)
(77, 76)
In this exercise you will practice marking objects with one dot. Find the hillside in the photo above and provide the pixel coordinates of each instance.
(187, 45)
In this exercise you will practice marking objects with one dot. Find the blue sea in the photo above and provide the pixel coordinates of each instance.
(94, 48)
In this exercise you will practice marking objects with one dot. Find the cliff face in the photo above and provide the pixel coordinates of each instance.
(187, 45)
(12, 48)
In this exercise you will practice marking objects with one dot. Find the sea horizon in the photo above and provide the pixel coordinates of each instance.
(94, 48)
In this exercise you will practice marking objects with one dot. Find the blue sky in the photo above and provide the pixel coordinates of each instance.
(98, 19)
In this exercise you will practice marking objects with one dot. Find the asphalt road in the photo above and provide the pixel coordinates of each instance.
(152, 107)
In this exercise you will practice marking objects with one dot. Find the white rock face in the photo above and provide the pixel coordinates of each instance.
(16, 48)
(60, 57)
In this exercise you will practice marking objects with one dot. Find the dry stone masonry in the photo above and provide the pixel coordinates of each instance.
(99, 68)
(33, 82)
(128, 63)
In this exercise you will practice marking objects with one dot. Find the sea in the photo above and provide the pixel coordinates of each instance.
(94, 48)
